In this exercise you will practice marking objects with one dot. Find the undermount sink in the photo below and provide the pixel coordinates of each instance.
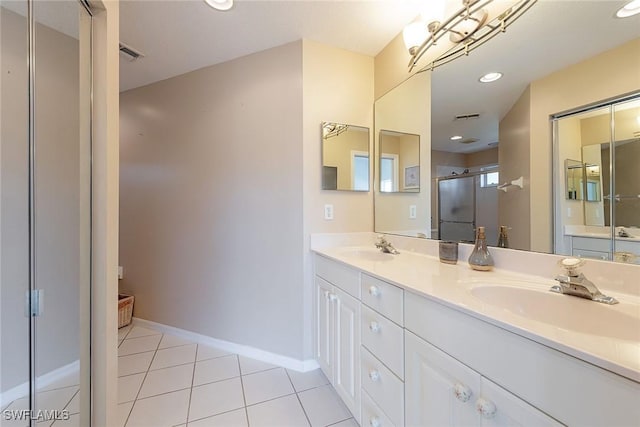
(369, 254)
(563, 311)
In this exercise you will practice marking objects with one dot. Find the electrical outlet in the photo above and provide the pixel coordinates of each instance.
(413, 211)
(328, 212)
(120, 272)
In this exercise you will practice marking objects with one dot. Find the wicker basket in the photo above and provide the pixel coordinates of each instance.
(125, 310)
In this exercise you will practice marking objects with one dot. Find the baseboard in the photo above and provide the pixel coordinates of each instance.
(243, 350)
(44, 381)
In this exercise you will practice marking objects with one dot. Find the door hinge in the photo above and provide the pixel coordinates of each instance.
(33, 303)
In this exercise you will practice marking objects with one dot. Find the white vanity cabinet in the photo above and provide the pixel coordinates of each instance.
(440, 391)
(338, 330)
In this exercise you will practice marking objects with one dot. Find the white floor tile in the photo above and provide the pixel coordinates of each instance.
(128, 387)
(166, 380)
(206, 352)
(140, 331)
(283, 412)
(160, 411)
(215, 398)
(346, 423)
(211, 370)
(67, 381)
(237, 418)
(266, 385)
(323, 406)
(123, 413)
(174, 356)
(305, 380)
(134, 363)
(72, 421)
(53, 400)
(138, 345)
(250, 366)
(173, 341)
(122, 332)
(74, 406)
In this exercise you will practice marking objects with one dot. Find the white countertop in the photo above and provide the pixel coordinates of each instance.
(452, 285)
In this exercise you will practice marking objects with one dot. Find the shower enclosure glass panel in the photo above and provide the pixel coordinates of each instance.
(46, 195)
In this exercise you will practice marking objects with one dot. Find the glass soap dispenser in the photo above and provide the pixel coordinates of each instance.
(480, 258)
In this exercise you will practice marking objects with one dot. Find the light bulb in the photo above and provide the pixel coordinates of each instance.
(414, 35)
(220, 4)
(629, 9)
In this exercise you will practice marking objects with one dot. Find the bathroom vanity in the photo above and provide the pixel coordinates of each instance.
(409, 341)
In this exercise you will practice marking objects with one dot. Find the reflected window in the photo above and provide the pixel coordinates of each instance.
(388, 173)
(360, 172)
(491, 179)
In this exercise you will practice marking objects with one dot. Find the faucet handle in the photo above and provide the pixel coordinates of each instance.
(571, 265)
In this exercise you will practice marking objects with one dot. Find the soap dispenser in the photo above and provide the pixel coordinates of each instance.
(480, 258)
(503, 239)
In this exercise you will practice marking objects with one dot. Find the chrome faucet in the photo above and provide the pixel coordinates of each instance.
(574, 283)
(623, 233)
(385, 246)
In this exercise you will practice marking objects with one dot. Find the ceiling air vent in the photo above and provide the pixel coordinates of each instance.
(130, 52)
(466, 117)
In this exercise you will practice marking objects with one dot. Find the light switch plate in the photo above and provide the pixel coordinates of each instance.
(413, 211)
(328, 212)
(120, 272)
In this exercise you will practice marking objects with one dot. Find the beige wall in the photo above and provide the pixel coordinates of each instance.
(211, 219)
(482, 158)
(601, 77)
(407, 109)
(337, 86)
(58, 203)
(513, 157)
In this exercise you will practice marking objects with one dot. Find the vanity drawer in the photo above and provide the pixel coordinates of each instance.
(384, 339)
(591, 244)
(347, 279)
(383, 297)
(372, 415)
(584, 253)
(383, 387)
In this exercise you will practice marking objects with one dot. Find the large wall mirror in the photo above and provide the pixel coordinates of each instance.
(491, 156)
(345, 157)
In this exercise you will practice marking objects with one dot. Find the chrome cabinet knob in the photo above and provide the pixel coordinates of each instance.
(375, 422)
(374, 375)
(374, 327)
(374, 291)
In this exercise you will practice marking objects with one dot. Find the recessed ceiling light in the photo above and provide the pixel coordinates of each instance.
(629, 9)
(456, 137)
(220, 4)
(490, 77)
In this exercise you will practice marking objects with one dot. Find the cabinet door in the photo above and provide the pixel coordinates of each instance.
(498, 407)
(347, 351)
(325, 326)
(439, 390)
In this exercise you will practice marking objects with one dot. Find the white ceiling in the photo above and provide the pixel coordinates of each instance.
(550, 36)
(183, 35)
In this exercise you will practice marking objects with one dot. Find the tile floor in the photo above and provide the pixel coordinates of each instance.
(164, 380)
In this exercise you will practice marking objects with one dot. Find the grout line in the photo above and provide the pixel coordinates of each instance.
(244, 398)
(215, 415)
(304, 411)
(142, 383)
(341, 421)
(269, 400)
(193, 376)
(259, 372)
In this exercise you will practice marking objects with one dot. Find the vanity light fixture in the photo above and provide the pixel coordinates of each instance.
(490, 77)
(629, 9)
(220, 4)
(468, 28)
(456, 138)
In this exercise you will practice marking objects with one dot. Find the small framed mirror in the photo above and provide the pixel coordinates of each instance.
(345, 157)
(399, 162)
(574, 171)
